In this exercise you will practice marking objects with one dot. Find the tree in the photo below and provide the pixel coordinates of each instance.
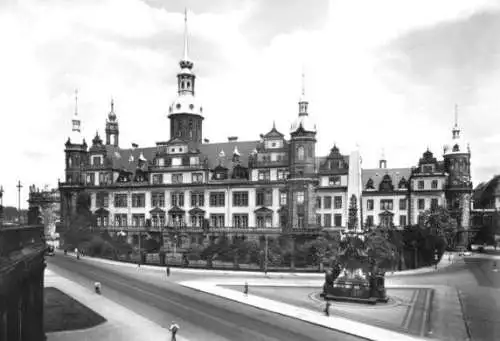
(380, 249)
(352, 222)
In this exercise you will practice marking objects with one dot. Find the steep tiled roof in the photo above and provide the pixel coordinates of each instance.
(120, 157)
(484, 192)
(377, 174)
(212, 150)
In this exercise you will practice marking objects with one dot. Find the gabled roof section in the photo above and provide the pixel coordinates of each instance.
(377, 175)
(274, 133)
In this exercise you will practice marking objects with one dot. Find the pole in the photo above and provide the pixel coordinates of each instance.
(265, 255)
(19, 186)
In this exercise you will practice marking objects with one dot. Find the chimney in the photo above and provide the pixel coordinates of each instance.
(206, 140)
(232, 138)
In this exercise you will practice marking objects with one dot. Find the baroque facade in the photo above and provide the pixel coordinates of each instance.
(273, 184)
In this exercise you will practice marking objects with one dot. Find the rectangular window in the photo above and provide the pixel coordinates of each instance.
(328, 220)
(264, 198)
(369, 220)
(421, 184)
(421, 204)
(434, 204)
(157, 199)
(264, 175)
(402, 220)
(386, 204)
(138, 219)
(102, 199)
(334, 180)
(337, 202)
(197, 199)
(217, 199)
(327, 202)
(283, 198)
(157, 179)
(240, 220)
(282, 174)
(300, 221)
(427, 168)
(434, 184)
(138, 200)
(197, 178)
(217, 220)
(90, 179)
(96, 160)
(318, 220)
(196, 220)
(318, 202)
(402, 204)
(121, 220)
(177, 199)
(121, 200)
(338, 220)
(240, 199)
(369, 204)
(300, 197)
(177, 178)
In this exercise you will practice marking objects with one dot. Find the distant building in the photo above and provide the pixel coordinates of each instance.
(44, 208)
(274, 184)
(486, 206)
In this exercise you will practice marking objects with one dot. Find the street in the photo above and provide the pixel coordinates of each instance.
(201, 316)
(478, 282)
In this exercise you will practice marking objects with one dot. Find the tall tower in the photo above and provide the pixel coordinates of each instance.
(185, 113)
(75, 158)
(302, 164)
(459, 186)
(112, 131)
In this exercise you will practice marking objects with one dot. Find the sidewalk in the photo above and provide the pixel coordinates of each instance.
(444, 262)
(314, 317)
(122, 323)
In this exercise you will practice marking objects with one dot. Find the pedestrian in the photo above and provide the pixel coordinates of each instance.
(245, 289)
(77, 254)
(327, 308)
(168, 271)
(174, 328)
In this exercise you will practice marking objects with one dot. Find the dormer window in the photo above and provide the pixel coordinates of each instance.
(427, 168)
(176, 161)
(369, 184)
(160, 162)
(97, 160)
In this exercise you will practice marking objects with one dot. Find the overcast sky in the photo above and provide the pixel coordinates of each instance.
(383, 74)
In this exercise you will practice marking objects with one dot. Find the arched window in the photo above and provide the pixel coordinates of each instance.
(182, 85)
(300, 153)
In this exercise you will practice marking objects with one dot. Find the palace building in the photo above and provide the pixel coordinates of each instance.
(273, 184)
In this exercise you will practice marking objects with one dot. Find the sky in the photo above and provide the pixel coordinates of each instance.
(383, 75)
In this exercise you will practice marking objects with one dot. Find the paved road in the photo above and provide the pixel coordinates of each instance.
(201, 316)
(478, 281)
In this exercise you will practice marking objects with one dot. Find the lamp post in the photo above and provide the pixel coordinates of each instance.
(19, 186)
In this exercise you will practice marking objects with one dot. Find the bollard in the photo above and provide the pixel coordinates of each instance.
(168, 271)
(97, 287)
(245, 289)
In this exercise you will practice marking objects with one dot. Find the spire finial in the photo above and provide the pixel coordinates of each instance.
(274, 124)
(112, 104)
(185, 35)
(76, 101)
(456, 115)
(303, 82)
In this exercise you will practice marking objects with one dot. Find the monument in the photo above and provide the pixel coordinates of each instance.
(355, 275)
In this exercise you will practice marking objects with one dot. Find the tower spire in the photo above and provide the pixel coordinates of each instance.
(76, 102)
(456, 129)
(186, 63)
(185, 35)
(303, 101)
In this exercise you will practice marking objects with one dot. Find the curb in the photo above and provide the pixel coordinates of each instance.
(423, 270)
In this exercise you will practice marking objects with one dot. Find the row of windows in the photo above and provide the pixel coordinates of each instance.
(177, 178)
(387, 204)
(216, 220)
(325, 220)
(421, 184)
(265, 174)
(216, 199)
(327, 202)
(386, 221)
